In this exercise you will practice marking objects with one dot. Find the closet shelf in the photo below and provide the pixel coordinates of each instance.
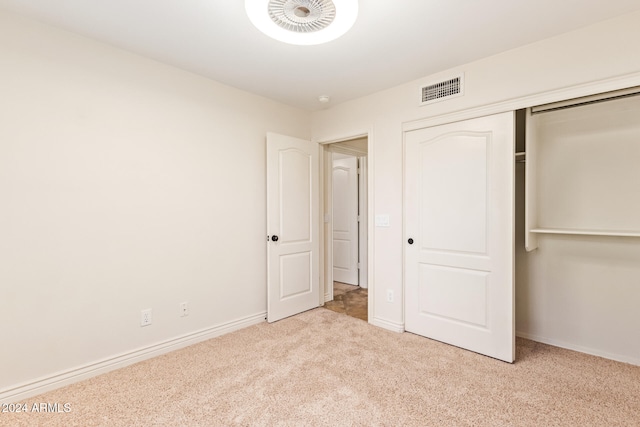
(586, 232)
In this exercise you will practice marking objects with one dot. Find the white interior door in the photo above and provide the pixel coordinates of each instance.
(292, 226)
(345, 219)
(459, 234)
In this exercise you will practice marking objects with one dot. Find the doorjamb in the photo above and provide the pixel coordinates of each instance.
(326, 274)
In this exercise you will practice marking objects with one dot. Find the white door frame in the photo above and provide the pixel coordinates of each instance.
(363, 197)
(326, 253)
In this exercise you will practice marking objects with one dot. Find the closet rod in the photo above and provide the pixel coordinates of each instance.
(586, 100)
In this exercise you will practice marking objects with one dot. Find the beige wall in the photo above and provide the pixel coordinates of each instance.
(125, 184)
(554, 303)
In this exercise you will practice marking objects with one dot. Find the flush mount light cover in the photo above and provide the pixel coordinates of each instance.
(302, 22)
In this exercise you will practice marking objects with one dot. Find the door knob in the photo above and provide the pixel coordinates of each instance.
(274, 238)
(410, 241)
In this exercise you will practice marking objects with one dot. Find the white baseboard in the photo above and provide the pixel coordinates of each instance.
(41, 385)
(386, 324)
(594, 352)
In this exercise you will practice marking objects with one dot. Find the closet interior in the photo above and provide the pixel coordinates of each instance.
(578, 209)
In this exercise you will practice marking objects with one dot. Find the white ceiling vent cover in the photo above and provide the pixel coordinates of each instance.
(435, 92)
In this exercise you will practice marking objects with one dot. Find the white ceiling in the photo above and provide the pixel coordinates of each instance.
(392, 42)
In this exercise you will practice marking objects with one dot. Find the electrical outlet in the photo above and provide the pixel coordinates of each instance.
(145, 317)
(184, 309)
(389, 295)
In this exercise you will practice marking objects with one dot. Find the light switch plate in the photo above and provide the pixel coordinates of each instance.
(382, 220)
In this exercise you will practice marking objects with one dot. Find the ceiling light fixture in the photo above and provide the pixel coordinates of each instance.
(302, 22)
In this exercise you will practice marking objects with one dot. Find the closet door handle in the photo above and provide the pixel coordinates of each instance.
(410, 241)
(274, 238)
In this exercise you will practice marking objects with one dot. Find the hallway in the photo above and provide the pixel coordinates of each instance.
(350, 300)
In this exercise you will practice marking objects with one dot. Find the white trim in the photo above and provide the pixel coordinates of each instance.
(370, 228)
(50, 382)
(355, 135)
(577, 102)
(387, 324)
(578, 348)
(585, 89)
(363, 223)
(404, 226)
(585, 232)
(326, 195)
(349, 151)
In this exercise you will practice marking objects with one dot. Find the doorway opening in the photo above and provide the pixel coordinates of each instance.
(345, 200)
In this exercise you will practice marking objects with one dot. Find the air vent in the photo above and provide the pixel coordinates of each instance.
(442, 90)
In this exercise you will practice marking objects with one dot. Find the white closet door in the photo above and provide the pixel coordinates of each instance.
(459, 234)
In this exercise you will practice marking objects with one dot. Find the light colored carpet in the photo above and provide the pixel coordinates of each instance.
(324, 368)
